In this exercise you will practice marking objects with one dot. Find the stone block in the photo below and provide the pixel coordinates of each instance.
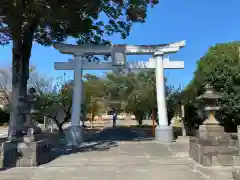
(9, 154)
(44, 152)
(194, 151)
(27, 154)
(212, 153)
(21, 154)
(223, 160)
(236, 175)
(27, 149)
(236, 160)
(211, 128)
(210, 131)
(224, 140)
(205, 160)
(26, 162)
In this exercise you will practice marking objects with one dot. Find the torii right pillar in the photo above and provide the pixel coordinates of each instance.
(163, 132)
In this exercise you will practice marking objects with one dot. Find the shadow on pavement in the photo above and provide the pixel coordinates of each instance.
(102, 140)
(106, 139)
(123, 133)
(85, 147)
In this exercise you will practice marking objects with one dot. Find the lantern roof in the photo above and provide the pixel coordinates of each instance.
(209, 93)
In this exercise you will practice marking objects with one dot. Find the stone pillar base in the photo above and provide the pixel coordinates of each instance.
(164, 134)
(27, 154)
(74, 135)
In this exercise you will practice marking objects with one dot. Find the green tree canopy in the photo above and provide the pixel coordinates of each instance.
(45, 22)
(219, 67)
(133, 93)
(137, 92)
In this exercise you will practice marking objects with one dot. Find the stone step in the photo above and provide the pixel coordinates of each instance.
(117, 161)
(215, 173)
(183, 139)
(107, 174)
(219, 160)
(214, 141)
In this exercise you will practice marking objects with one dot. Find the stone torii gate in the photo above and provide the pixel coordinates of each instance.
(118, 54)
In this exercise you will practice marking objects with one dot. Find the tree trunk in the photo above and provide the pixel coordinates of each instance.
(21, 53)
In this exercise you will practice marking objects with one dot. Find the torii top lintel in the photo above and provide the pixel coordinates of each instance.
(93, 49)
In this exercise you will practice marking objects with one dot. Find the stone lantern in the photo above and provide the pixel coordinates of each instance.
(209, 99)
(210, 127)
(212, 146)
(31, 111)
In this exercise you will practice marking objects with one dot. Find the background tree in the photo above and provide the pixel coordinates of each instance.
(220, 68)
(56, 104)
(137, 92)
(114, 91)
(142, 97)
(40, 83)
(93, 94)
(5, 78)
(47, 22)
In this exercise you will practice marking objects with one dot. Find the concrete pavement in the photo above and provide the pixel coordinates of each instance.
(113, 154)
(139, 160)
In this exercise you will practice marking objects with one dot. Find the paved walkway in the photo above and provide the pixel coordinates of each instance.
(118, 157)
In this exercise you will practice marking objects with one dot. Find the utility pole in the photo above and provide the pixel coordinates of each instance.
(91, 113)
(182, 114)
(182, 121)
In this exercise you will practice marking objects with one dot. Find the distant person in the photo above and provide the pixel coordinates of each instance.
(114, 117)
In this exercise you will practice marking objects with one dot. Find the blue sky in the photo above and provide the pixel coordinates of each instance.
(201, 23)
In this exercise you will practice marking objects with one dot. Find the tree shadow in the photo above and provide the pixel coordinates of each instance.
(99, 140)
(123, 133)
(85, 147)
(104, 140)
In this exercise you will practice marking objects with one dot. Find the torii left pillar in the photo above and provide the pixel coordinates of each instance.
(76, 131)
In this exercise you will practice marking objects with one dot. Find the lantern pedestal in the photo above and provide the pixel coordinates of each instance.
(208, 131)
(211, 128)
(212, 146)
